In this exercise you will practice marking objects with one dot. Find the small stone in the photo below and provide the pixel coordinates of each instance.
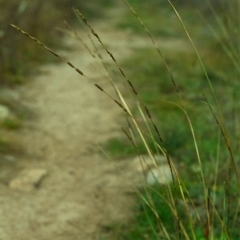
(145, 162)
(28, 180)
(160, 175)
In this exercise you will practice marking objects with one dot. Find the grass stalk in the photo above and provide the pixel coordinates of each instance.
(222, 124)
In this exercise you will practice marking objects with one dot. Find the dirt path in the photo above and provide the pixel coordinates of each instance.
(83, 192)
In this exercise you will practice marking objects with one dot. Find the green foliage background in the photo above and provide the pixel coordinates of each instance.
(18, 55)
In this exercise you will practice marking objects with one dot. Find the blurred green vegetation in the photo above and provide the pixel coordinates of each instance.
(20, 57)
(145, 225)
(156, 90)
(215, 30)
(12, 124)
(151, 79)
(120, 148)
(160, 20)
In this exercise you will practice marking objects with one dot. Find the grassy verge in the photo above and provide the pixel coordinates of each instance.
(150, 78)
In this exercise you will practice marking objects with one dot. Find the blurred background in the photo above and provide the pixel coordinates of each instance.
(18, 55)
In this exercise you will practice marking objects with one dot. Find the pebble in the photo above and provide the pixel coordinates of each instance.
(157, 172)
(161, 175)
(28, 179)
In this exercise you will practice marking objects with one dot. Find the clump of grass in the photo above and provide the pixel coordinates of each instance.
(11, 123)
(120, 148)
(199, 204)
